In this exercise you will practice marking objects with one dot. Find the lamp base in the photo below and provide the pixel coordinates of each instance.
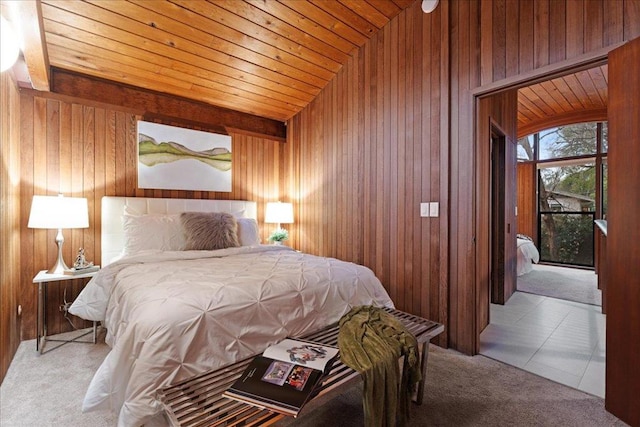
(59, 267)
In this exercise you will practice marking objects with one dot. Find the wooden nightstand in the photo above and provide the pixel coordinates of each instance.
(42, 279)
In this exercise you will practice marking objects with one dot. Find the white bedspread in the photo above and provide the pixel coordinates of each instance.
(527, 255)
(172, 315)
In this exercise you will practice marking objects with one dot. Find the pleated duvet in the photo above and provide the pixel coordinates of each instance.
(172, 315)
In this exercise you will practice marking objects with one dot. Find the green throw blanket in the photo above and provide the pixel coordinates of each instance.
(371, 341)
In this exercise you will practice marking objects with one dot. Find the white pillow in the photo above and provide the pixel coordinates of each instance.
(248, 232)
(144, 232)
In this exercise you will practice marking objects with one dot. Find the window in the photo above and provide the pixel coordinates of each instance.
(567, 238)
(567, 159)
(568, 141)
(566, 212)
(526, 148)
(570, 188)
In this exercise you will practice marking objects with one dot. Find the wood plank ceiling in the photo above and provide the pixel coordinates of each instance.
(581, 96)
(268, 58)
(264, 57)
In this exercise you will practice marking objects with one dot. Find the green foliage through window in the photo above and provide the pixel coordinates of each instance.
(567, 238)
(567, 158)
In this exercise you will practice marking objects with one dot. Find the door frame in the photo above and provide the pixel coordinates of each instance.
(482, 268)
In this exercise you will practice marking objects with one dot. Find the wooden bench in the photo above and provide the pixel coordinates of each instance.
(198, 401)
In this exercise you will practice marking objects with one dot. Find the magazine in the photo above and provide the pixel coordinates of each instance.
(284, 377)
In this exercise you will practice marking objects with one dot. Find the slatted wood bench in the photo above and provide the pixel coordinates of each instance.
(198, 401)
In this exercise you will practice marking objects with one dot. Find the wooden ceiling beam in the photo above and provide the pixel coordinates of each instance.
(151, 104)
(28, 17)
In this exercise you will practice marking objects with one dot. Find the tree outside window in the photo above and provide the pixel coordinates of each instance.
(566, 188)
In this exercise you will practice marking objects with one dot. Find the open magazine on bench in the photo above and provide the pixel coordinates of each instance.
(284, 377)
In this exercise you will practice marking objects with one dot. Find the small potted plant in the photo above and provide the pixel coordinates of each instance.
(279, 236)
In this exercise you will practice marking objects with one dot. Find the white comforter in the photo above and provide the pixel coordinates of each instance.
(172, 315)
(527, 255)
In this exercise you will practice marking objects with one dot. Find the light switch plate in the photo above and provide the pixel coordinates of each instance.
(424, 209)
(434, 209)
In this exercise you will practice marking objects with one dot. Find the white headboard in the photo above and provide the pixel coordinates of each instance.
(113, 208)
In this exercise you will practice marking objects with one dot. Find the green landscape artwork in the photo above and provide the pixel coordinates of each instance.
(173, 158)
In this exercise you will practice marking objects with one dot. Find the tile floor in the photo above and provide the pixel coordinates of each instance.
(560, 340)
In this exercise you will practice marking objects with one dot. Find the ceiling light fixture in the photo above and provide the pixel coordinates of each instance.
(429, 6)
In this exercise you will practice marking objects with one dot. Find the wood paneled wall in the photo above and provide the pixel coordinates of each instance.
(520, 36)
(86, 149)
(368, 150)
(622, 274)
(465, 38)
(396, 127)
(9, 221)
(527, 202)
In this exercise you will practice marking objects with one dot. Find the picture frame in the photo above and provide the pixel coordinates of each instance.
(174, 158)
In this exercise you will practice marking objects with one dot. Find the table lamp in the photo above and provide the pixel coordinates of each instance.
(279, 213)
(56, 213)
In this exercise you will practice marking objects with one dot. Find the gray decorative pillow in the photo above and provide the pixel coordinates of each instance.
(205, 231)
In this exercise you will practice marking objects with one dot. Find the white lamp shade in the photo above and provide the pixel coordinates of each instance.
(54, 212)
(279, 213)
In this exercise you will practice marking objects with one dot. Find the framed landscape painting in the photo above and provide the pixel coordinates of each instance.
(172, 158)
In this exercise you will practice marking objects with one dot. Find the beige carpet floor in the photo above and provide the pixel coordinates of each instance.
(47, 390)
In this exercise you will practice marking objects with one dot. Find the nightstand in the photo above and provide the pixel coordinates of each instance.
(42, 279)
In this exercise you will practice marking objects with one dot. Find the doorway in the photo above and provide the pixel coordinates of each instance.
(528, 330)
(622, 337)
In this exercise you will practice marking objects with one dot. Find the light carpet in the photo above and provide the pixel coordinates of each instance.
(570, 284)
(47, 390)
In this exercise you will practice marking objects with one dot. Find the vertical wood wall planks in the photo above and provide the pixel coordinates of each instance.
(89, 151)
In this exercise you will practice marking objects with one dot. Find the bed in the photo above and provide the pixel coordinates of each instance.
(527, 254)
(172, 313)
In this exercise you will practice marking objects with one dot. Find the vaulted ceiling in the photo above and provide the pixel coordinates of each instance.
(268, 58)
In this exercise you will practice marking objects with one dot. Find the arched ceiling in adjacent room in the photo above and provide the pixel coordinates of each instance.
(577, 97)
